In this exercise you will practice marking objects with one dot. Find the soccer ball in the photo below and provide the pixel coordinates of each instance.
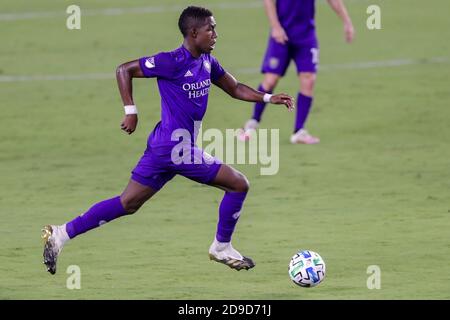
(307, 268)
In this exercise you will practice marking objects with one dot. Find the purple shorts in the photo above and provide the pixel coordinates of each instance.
(159, 165)
(278, 56)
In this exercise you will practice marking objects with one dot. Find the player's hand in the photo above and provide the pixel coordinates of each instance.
(279, 35)
(129, 123)
(349, 32)
(283, 98)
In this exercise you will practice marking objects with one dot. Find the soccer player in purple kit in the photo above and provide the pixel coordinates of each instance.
(293, 36)
(184, 77)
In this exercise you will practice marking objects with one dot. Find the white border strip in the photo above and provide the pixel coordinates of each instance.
(330, 67)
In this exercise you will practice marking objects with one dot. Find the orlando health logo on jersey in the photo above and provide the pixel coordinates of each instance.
(197, 89)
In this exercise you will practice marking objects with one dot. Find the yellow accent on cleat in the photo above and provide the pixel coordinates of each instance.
(50, 250)
(46, 232)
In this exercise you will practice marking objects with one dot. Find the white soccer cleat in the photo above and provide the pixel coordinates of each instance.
(224, 252)
(54, 239)
(250, 126)
(303, 137)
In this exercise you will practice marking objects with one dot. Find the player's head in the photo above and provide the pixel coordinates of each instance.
(199, 25)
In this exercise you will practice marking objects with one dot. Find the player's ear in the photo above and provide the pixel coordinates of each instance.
(194, 32)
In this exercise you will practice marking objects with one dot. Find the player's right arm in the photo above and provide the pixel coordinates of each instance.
(125, 74)
(278, 33)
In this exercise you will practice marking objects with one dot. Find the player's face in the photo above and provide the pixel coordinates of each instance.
(207, 35)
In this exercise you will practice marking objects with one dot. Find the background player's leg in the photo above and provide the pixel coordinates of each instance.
(304, 103)
(275, 63)
(306, 57)
(304, 98)
(269, 83)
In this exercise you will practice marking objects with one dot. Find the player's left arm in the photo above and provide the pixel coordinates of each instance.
(243, 92)
(339, 7)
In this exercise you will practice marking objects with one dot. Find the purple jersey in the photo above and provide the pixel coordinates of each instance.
(297, 19)
(184, 83)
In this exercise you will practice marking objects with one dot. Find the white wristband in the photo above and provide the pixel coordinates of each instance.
(131, 109)
(267, 97)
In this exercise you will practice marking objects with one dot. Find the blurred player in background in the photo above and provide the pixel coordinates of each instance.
(184, 78)
(293, 37)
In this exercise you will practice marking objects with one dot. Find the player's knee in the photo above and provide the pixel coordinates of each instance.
(307, 83)
(269, 84)
(130, 205)
(241, 184)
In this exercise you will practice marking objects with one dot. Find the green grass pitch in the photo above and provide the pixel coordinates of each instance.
(375, 191)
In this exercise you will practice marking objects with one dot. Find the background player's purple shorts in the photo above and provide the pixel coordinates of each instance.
(156, 167)
(278, 56)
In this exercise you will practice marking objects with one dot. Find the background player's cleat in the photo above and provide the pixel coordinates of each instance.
(225, 253)
(52, 246)
(303, 137)
(250, 126)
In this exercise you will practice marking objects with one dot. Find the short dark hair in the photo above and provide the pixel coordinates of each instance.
(192, 17)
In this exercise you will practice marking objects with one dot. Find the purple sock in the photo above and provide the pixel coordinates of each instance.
(97, 215)
(229, 212)
(303, 106)
(259, 106)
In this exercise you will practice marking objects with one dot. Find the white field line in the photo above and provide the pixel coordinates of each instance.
(367, 64)
(121, 11)
(323, 68)
(85, 76)
(138, 10)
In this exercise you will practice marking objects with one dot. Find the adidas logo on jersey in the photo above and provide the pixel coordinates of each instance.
(188, 74)
(150, 62)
